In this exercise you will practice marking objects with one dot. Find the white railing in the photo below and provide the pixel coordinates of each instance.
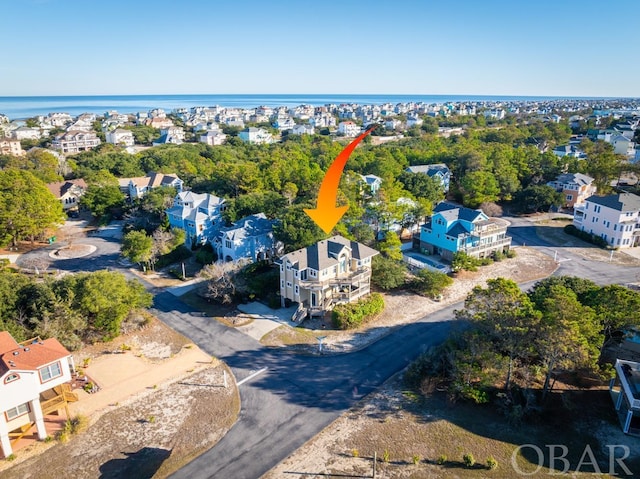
(624, 381)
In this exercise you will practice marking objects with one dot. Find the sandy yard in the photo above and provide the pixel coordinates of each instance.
(417, 431)
(161, 402)
(405, 307)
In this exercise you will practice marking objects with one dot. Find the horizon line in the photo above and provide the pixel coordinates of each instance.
(614, 97)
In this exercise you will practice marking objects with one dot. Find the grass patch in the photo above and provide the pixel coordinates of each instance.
(469, 441)
(287, 336)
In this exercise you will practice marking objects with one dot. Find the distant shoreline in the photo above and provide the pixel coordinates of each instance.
(21, 107)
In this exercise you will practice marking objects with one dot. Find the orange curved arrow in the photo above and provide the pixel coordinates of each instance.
(326, 215)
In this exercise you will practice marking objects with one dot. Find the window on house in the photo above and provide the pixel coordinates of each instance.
(615, 227)
(49, 372)
(303, 274)
(289, 284)
(11, 377)
(569, 197)
(227, 243)
(297, 290)
(17, 411)
(288, 266)
(282, 283)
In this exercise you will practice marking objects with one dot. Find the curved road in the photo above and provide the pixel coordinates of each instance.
(286, 398)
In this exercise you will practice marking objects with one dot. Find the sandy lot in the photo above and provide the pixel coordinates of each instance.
(160, 403)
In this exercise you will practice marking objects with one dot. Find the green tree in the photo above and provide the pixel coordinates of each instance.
(137, 247)
(106, 298)
(27, 207)
(506, 315)
(387, 273)
(390, 246)
(102, 200)
(430, 283)
(617, 309)
(538, 197)
(296, 230)
(567, 338)
(479, 187)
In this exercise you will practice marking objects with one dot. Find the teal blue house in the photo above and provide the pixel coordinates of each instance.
(454, 228)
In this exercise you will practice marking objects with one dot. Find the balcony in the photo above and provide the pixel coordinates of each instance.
(493, 246)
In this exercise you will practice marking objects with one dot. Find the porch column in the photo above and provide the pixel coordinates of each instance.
(38, 418)
(4, 438)
(627, 423)
(619, 400)
(72, 365)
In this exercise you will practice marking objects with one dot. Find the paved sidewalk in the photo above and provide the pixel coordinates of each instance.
(264, 319)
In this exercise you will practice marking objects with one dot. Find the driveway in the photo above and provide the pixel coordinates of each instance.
(264, 319)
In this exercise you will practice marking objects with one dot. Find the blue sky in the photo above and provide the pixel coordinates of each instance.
(499, 47)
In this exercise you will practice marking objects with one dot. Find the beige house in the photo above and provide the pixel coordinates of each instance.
(11, 146)
(68, 192)
(332, 271)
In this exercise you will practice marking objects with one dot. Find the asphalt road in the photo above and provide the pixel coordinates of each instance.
(296, 396)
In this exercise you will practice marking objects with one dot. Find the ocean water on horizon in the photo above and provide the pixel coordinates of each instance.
(21, 107)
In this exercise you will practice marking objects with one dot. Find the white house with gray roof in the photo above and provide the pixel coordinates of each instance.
(248, 238)
(615, 218)
(330, 272)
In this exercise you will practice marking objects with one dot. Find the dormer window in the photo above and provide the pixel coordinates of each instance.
(11, 377)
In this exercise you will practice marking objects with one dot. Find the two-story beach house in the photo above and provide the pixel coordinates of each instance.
(32, 384)
(330, 272)
(454, 228)
(199, 215)
(120, 136)
(249, 238)
(437, 170)
(575, 187)
(615, 218)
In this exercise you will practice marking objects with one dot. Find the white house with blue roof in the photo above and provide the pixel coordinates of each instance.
(248, 238)
(199, 215)
(454, 228)
(437, 170)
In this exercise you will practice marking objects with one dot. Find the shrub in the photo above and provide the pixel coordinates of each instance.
(462, 260)
(352, 315)
(206, 255)
(498, 255)
(79, 424)
(491, 462)
(468, 460)
(10, 457)
(511, 253)
(442, 458)
(179, 254)
(386, 457)
(387, 274)
(355, 453)
(430, 283)
(585, 236)
(416, 459)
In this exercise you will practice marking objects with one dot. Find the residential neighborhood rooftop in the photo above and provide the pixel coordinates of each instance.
(621, 202)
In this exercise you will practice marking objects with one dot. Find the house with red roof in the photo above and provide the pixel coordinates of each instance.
(32, 375)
